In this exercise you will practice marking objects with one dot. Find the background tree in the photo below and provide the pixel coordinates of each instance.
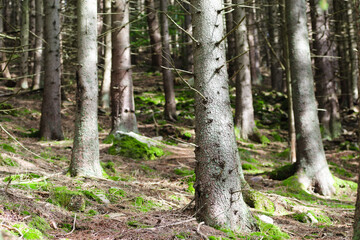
(218, 195)
(24, 67)
(154, 33)
(85, 154)
(50, 124)
(312, 169)
(122, 96)
(38, 58)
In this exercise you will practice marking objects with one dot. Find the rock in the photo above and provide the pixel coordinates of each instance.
(266, 219)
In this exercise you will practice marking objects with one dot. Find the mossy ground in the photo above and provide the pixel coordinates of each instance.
(139, 194)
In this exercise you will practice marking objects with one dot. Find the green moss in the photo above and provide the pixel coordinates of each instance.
(269, 231)
(28, 233)
(320, 217)
(92, 212)
(92, 194)
(187, 135)
(283, 172)
(264, 140)
(70, 200)
(343, 184)
(39, 223)
(108, 166)
(130, 147)
(8, 148)
(248, 166)
(284, 154)
(115, 194)
(147, 169)
(22, 177)
(183, 172)
(258, 201)
(144, 205)
(277, 137)
(137, 224)
(342, 172)
(8, 162)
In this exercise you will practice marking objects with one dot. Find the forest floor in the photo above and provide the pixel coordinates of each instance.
(152, 199)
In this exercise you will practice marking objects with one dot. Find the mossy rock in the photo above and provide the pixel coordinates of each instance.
(283, 172)
(258, 201)
(128, 146)
(269, 231)
(70, 200)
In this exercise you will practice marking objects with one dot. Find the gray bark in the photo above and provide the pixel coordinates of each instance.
(38, 44)
(24, 68)
(244, 110)
(154, 33)
(218, 187)
(230, 51)
(4, 66)
(312, 168)
(85, 154)
(122, 96)
(105, 87)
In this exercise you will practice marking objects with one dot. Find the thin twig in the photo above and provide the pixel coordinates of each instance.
(180, 70)
(74, 225)
(173, 224)
(231, 31)
(200, 233)
(177, 25)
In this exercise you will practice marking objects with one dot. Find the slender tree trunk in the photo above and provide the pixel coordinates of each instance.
(154, 33)
(85, 154)
(122, 96)
(188, 57)
(105, 87)
(218, 189)
(244, 111)
(230, 51)
(24, 67)
(4, 65)
(292, 131)
(38, 44)
(312, 168)
(329, 115)
(168, 77)
(253, 49)
(50, 124)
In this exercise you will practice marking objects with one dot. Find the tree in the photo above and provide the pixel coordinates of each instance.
(187, 58)
(4, 66)
(50, 124)
(85, 154)
(218, 186)
(230, 51)
(312, 168)
(154, 33)
(24, 32)
(38, 65)
(122, 96)
(329, 116)
(244, 111)
(168, 76)
(105, 87)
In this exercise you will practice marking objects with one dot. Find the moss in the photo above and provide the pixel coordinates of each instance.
(284, 154)
(270, 231)
(258, 201)
(8, 162)
(144, 205)
(304, 217)
(39, 223)
(108, 166)
(70, 200)
(283, 172)
(8, 148)
(342, 172)
(115, 194)
(264, 140)
(22, 177)
(186, 135)
(95, 195)
(248, 166)
(92, 212)
(183, 172)
(343, 184)
(277, 137)
(130, 147)
(28, 233)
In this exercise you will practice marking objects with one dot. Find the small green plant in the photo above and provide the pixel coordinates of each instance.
(264, 140)
(8, 162)
(277, 137)
(8, 148)
(144, 205)
(92, 212)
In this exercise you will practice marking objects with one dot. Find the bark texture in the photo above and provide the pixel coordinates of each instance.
(312, 168)
(38, 44)
(50, 124)
(168, 76)
(85, 154)
(105, 87)
(244, 110)
(122, 97)
(329, 114)
(230, 51)
(218, 188)
(154, 33)
(24, 68)
(4, 66)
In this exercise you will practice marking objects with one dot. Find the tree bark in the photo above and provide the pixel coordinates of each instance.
(230, 51)
(154, 34)
(312, 168)
(188, 57)
(253, 43)
(122, 96)
(50, 124)
(105, 87)
(38, 44)
(218, 187)
(244, 111)
(85, 154)
(4, 65)
(24, 67)
(168, 76)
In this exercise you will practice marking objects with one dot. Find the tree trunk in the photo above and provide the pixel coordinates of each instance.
(244, 111)
(329, 115)
(122, 96)
(4, 65)
(312, 168)
(230, 51)
(154, 33)
(168, 76)
(218, 189)
(188, 57)
(50, 124)
(105, 87)
(38, 44)
(85, 154)
(24, 68)
(253, 43)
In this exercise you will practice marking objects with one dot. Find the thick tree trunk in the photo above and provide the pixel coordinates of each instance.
(122, 96)
(218, 189)
(24, 67)
(312, 168)
(168, 76)
(50, 124)
(329, 115)
(85, 154)
(105, 87)
(244, 111)
(4, 65)
(38, 44)
(154, 33)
